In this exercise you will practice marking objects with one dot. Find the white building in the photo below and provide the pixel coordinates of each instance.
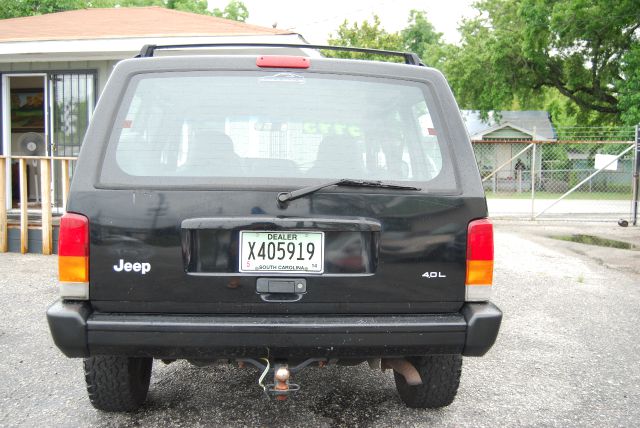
(54, 67)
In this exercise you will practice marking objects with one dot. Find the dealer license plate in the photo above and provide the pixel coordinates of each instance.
(282, 252)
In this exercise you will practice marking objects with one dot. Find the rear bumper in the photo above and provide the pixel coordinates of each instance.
(79, 332)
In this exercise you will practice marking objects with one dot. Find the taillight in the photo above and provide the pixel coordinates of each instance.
(73, 256)
(282, 61)
(479, 260)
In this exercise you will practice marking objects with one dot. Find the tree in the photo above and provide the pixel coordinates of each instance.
(193, 6)
(235, 10)
(421, 37)
(515, 48)
(630, 87)
(15, 8)
(136, 3)
(364, 35)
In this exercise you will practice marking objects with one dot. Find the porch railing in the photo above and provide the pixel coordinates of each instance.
(43, 194)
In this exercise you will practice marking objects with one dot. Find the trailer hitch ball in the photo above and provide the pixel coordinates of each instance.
(281, 379)
(282, 375)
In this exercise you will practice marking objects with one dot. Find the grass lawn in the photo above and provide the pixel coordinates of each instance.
(550, 195)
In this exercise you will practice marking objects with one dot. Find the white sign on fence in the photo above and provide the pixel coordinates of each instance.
(602, 160)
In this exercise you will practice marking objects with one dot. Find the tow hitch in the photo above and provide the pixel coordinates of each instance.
(282, 386)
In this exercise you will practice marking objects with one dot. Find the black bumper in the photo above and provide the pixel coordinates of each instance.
(79, 332)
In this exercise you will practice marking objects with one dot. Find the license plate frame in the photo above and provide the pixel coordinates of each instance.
(249, 260)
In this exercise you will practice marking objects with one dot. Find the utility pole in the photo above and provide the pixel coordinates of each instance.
(636, 174)
(533, 175)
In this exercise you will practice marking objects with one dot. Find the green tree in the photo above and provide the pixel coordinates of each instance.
(235, 10)
(365, 35)
(515, 48)
(421, 37)
(16, 8)
(194, 6)
(137, 3)
(630, 86)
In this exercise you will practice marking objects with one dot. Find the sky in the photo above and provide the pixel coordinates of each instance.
(315, 20)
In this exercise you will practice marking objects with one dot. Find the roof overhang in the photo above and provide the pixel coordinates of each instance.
(121, 48)
(535, 137)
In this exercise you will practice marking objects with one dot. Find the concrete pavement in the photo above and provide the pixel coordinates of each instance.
(567, 355)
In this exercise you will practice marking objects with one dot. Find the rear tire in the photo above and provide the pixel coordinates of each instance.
(117, 384)
(440, 379)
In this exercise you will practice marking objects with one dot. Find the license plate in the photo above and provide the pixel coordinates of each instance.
(282, 252)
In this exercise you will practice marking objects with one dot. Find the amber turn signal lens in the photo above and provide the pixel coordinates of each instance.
(479, 272)
(73, 269)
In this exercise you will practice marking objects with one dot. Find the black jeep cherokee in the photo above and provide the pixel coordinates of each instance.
(278, 211)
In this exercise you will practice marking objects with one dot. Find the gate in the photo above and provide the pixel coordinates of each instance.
(579, 179)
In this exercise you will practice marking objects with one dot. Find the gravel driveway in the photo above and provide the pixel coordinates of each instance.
(567, 355)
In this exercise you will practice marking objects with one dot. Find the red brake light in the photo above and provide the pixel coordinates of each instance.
(73, 239)
(282, 61)
(480, 240)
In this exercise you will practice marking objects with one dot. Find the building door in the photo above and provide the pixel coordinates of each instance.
(71, 104)
(24, 133)
(66, 106)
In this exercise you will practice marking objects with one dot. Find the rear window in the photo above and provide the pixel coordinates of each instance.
(194, 127)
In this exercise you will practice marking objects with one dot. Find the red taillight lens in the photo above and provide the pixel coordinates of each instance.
(73, 248)
(480, 252)
(74, 235)
(282, 61)
(480, 240)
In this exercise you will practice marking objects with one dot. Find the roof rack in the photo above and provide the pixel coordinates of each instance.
(147, 51)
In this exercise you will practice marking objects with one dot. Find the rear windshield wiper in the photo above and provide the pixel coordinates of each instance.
(289, 196)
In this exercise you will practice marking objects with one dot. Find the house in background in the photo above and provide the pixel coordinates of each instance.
(54, 67)
(501, 137)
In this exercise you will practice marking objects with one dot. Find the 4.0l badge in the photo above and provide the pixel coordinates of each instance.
(434, 275)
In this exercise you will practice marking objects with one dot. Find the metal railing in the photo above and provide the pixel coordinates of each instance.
(43, 194)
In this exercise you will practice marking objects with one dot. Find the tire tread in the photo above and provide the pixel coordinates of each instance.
(117, 384)
(440, 380)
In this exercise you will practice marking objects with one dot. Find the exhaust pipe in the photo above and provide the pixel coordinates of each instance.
(405, 368)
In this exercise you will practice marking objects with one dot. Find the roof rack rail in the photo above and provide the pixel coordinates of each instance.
(147, 51)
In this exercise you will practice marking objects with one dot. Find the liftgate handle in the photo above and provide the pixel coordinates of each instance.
(281, 290)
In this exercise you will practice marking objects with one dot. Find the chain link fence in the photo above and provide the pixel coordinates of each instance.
(531, 179)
